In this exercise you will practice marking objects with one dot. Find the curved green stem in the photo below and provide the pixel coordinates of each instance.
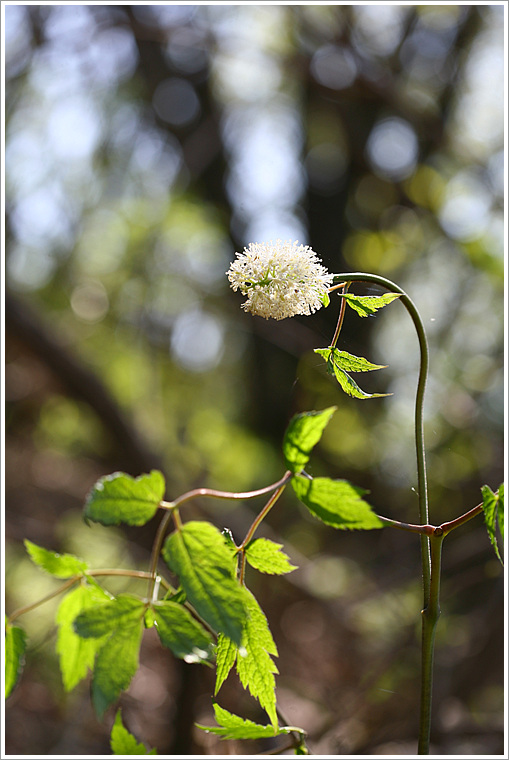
(419, 407)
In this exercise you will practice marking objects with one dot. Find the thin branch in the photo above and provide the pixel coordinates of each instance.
(214, 494)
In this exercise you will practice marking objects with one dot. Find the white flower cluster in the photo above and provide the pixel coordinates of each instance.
(280, 279)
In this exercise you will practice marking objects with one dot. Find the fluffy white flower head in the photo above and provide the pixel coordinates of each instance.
(280, 279)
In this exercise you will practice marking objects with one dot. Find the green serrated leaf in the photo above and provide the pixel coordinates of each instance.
(58, 565)
(255, 667)
(115, 665)
(15, 645)
(76, 654)
(226, 652)
(119, 498)
(351, 388)
(493, 506)
(501, 510)
(347, 362)
(181, 633)
(123, 743)
(267, 557)
(198, 554)
(367, 305)
(104, 618)
(302, 435)
(336, 502)
(232, 726)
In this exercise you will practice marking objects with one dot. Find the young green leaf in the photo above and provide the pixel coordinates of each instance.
(338, 360)
(347, 362)
(232, 726)
(59, 565)
(267, 557)
(117, 659)
(197, 553)
(254, 663)
(493, 506)
(124, 743)
(181, 633)
(367, 305)
(15, 645)
(115, 665)
(104, 618)
(351, 388)
(76, 654)
(302, 435)
(119, 498)
(226, 653)
(336, 502)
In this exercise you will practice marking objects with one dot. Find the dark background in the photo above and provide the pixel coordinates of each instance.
(144, 146)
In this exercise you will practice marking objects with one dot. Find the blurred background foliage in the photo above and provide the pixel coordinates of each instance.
(145, 144)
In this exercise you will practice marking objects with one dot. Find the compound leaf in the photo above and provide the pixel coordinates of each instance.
(15, 645)
(198, 554)
(367, 305)
(336, 502)
(493, 506)
(232, 726)
(302, 435)
(76, 654)
(182, 633)
(267, 557)
(123, 743)
(58, 565)
(119, 498)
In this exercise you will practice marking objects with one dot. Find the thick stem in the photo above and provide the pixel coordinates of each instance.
(419, 407)
(430, 616)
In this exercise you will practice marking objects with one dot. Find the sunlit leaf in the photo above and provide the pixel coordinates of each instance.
(115, 665)
(76, 654)
(267, 557)
(59, 565)
(493, 506)
(181, 633)
(226, 653)
(104, 618)
(124, 743)
(347, 362)
(198, 554)
(254, 664)
(15, 645)
(302, 435)
(117, 659)
(119, 498)
(232, 726)
(367, 305)
(338, 362)
(336, 502)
